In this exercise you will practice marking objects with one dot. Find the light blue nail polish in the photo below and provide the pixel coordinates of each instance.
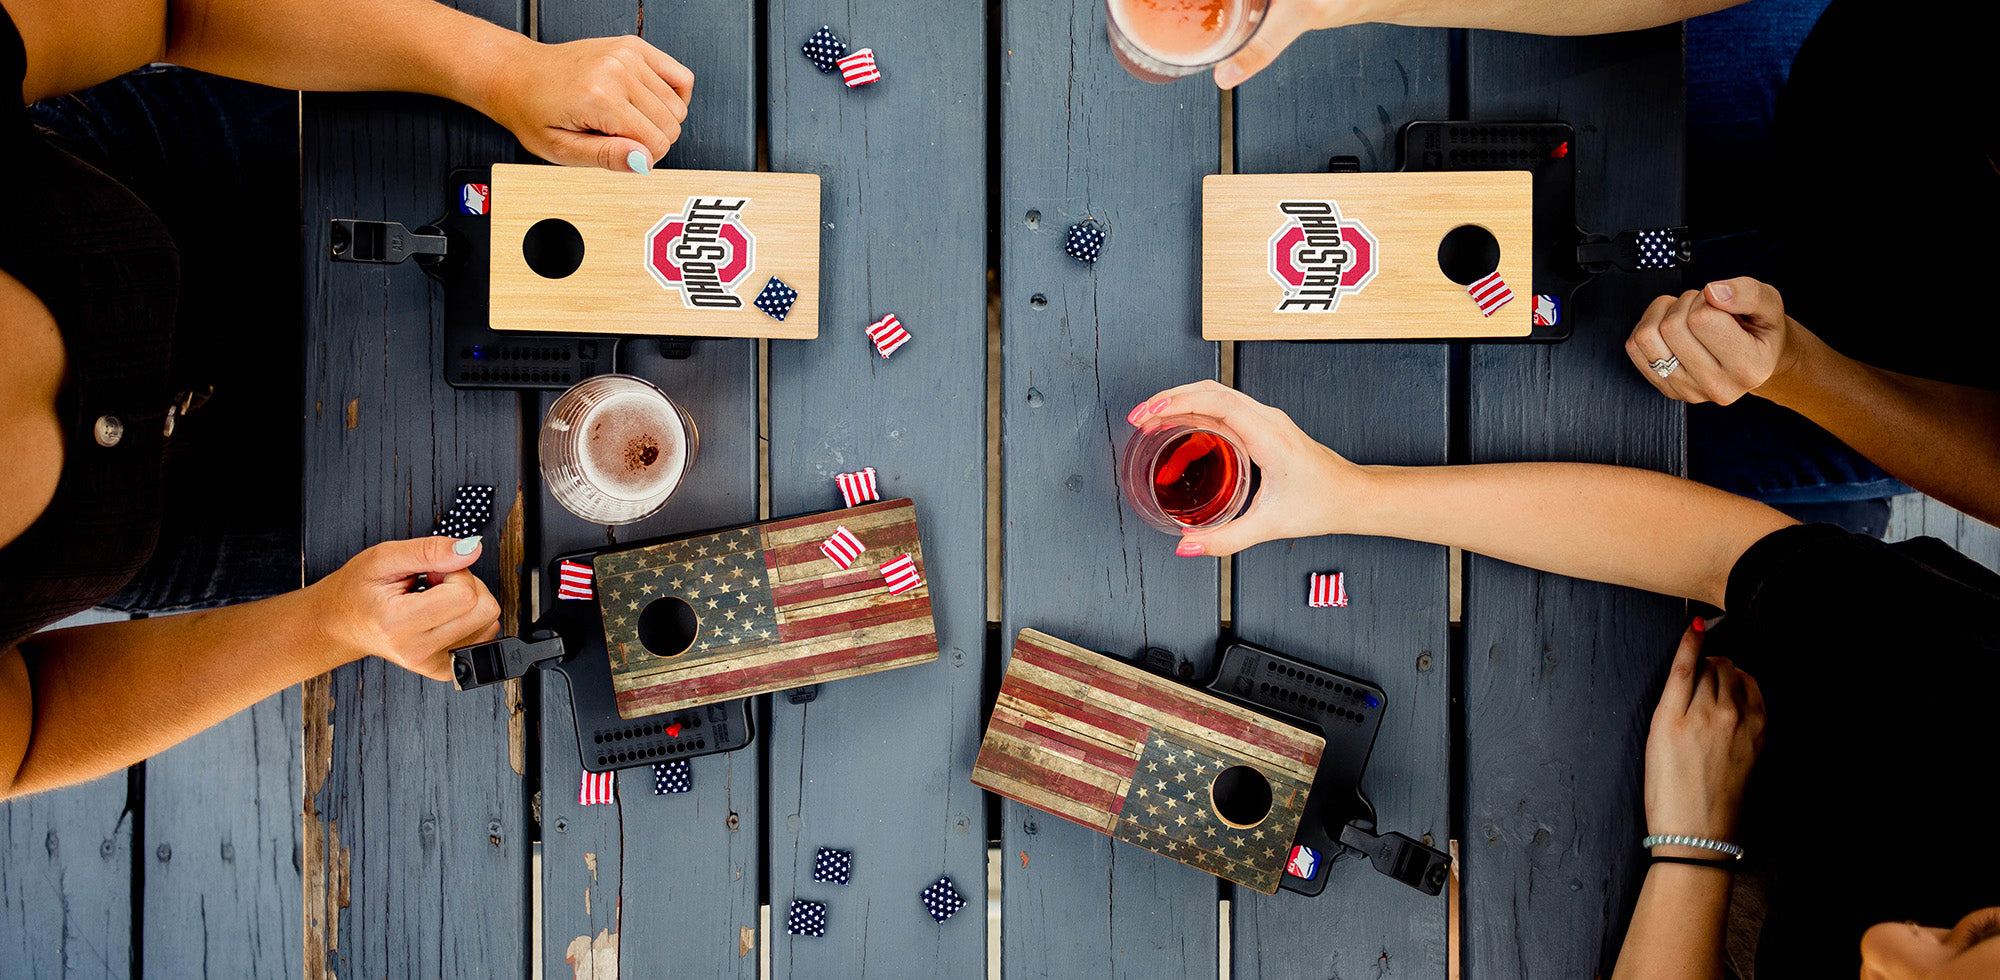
(465, 546)
(638, 162)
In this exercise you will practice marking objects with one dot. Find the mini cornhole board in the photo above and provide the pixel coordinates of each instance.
(1354, 256)
(678, 253)
(761, 608)
(1141, 758)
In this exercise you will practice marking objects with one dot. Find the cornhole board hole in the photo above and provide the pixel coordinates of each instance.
(756, 609)
(1148, 761)
(1375, 256)
(674, 253)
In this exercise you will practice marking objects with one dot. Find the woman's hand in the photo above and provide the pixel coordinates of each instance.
(1706, 734)
(1284, 22)
(594, 102)
(1305, 486)
(366, 606)
(1732, 339)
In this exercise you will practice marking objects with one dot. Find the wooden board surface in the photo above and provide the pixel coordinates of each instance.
(1356, 256)
(678, 253)
(1082, 344)
(417, 830)
(669, 879)
(1106, 745)
(1348, 92)
(66, 882)
(1571, 668)
(772, 610)
(877, 764)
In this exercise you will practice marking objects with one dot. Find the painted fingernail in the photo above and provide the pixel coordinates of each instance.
(1722, 291)
(1157, 407)
(1133, 415)
(1698, 625)
(466, 546)
(638, 162)
(1188, 549)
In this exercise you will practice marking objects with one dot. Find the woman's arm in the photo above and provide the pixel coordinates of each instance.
(1733, 338)
(584, 102)
(1287, 19)
(1608, 523)
(78, 703)
(1706, 733)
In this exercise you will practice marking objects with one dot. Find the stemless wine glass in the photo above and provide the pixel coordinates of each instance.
(1188, 475)
(1161, 40)
(615, 447)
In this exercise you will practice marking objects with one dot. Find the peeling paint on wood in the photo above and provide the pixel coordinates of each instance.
(354, 413)
(593, 959)
(746, 940)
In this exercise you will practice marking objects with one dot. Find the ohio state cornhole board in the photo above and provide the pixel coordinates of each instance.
(768, 609)
(1356, 256)
(676, 253)
(1138, 757)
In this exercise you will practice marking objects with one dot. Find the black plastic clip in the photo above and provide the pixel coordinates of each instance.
(384, 242)
(1343, 164)
(1400, 857)
(803, 695)
(503, 659)
(1637, 251)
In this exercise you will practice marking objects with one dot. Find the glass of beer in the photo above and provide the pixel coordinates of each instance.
(615, 447)
(1192, 474)
(1161, 40)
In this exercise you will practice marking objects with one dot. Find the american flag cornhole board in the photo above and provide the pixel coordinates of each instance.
(1125, 753)
(679, 253)
(772, 611)
(1355, 256)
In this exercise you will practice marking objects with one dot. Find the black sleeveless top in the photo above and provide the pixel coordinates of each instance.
(106, 269)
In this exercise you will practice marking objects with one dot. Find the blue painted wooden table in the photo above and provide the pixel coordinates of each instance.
(440, 834)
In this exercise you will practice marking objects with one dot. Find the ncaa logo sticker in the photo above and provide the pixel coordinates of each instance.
(474, 198)
(703, 253)
(1304, 862)
(1317, 257)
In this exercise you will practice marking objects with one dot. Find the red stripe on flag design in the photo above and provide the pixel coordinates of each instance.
(901, 575)
(1490, 293)
(574, 581)
(1328, 589)
(598, 787)
(843, 547)
(858, 488)
(859, 68)
(888, 334)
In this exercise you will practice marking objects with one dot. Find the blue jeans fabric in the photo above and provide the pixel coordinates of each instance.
(218, 161)
(1738, 61)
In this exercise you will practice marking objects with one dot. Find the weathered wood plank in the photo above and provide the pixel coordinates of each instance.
(878, 765)
(416, 820)
(1349, 92)
(663, 882)
(1082, 344)
(222, 849)
(1561, 675)
(66, 881)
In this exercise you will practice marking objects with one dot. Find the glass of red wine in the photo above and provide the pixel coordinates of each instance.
(1192, 474)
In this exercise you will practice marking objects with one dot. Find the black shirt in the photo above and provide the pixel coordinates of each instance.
(1880, 666)
(104, 266)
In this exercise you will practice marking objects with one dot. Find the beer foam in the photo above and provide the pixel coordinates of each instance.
(632, 446)
(1181, 32)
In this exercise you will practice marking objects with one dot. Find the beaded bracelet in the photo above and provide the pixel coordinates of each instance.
(1682, 840)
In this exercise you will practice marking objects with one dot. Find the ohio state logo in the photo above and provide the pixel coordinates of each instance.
(1317, 258)
(703, 253)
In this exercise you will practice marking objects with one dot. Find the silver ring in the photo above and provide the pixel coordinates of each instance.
(1665, 366)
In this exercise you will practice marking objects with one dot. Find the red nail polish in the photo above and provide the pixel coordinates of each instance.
(1188, 549)
(1699, 626)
